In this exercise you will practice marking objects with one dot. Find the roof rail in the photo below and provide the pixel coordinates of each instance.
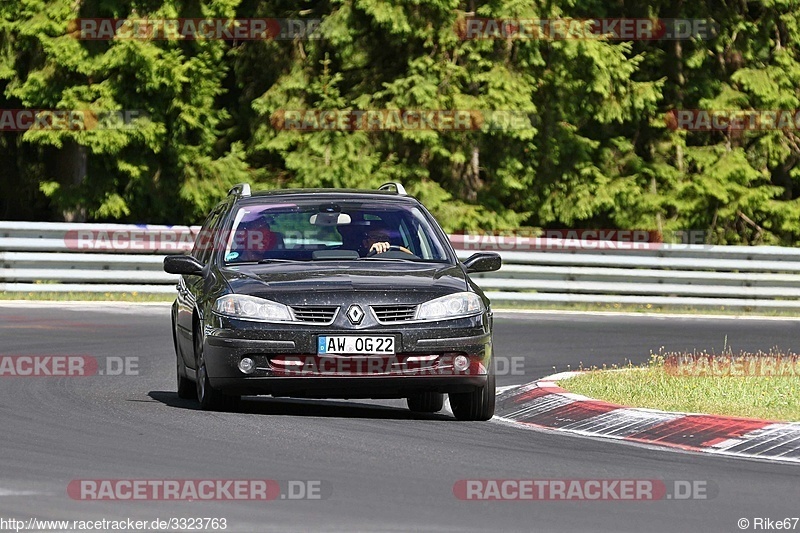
(240, 189)
(399, 189)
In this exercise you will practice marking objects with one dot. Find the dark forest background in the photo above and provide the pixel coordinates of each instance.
(599, 153)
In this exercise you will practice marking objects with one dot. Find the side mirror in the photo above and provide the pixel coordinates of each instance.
(483, 262)
(182, 264)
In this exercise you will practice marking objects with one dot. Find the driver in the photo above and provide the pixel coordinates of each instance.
(376, 240)
(256, 239)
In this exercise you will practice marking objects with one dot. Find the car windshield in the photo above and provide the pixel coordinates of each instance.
(332, 230)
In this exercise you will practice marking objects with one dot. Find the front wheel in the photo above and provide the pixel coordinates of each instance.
(210, 399)
(426, 402)
(476, 405)
(186, 389)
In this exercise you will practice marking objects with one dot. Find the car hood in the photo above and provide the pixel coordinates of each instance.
(271, 280)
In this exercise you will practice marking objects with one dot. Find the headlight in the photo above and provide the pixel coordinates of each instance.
(451, 306)
(241, 306)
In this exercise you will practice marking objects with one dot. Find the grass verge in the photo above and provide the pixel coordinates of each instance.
(135, 297)
(652, 386)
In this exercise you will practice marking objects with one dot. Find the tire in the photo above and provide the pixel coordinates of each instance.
(477, 405)
(210, 399)
(426, 402)
(186, 388)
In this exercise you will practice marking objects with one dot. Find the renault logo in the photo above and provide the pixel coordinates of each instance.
(355, 314)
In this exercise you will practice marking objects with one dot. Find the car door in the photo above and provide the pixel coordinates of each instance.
(189, 286)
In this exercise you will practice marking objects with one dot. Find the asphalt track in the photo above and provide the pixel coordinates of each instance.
(387, 470)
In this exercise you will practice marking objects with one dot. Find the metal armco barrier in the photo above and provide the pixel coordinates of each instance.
(61, 257)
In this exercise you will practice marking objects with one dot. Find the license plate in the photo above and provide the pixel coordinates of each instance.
(355, 345)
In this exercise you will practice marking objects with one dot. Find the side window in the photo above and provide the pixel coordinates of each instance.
(208, 237)
(199, 241)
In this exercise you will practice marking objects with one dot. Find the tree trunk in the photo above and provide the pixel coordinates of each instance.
(69, 169)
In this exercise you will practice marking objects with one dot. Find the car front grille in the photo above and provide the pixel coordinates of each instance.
(314, 314)
(389, 314)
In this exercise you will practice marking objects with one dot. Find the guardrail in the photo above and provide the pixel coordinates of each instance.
(61, 257)
(64, 257)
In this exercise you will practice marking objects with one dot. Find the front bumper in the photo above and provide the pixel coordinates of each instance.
(423, 361)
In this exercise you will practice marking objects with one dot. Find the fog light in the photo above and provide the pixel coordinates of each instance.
(461, 363)
(247, 365)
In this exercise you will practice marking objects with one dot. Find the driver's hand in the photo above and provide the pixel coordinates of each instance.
(379, 247)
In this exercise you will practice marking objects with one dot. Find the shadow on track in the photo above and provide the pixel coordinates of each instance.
(301, 407)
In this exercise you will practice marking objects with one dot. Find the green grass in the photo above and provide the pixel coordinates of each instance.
(651, 386)
(135, 297)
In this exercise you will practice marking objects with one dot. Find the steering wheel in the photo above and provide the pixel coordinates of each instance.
(392, 248)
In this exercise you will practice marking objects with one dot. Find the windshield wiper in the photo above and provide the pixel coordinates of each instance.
(390, 259)
(267, 261)
(262, 262)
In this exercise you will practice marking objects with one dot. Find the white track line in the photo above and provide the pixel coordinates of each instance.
(701, 316)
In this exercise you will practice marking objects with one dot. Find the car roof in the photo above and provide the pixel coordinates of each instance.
(360, 194)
